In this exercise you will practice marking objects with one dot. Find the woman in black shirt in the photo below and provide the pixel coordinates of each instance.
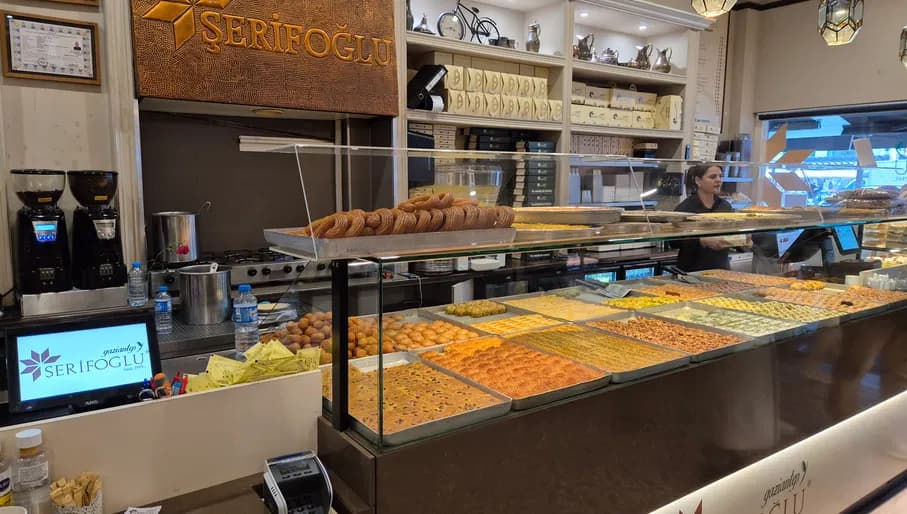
(704, 184)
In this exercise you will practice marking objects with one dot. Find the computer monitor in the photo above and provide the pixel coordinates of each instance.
(786, 240)
(846, 239)
(81, 364)
(605, 277)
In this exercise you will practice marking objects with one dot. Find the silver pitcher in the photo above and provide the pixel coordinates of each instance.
(663, 61)
(643, 61)
(532, 41)
(609, 56)
(584, 49)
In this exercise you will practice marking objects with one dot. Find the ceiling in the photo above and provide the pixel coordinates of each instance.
(616, 21)
(517, 5)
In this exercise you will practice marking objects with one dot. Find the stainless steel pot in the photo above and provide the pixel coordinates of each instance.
(175, 235)
(204, 295)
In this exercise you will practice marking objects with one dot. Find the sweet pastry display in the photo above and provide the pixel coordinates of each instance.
(413, 394)
(680, 292)
(807, 285)
(427, 213)
(598, 349)
(476, 309)
(516, 324)
(733, 321)
(671, 335)
(749, 278)
(773, 309)
(834, 301)
(562, 308)
(636, 303)
(400, 334)
(876, 295)
(511, 369)
(721, 286)
(313, 330)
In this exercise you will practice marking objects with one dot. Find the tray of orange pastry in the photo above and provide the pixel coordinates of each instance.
(528, 376)
(432, 222)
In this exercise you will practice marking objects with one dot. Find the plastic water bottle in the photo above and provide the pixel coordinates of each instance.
(245, 319)
(163, 312)
(31, 476)
(136, 290)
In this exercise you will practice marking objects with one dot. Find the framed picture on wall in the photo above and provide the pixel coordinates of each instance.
(44, 48)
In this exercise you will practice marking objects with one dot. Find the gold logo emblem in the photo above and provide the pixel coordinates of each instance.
(181, 14)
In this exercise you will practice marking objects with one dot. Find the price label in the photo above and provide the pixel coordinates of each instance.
(616, 291)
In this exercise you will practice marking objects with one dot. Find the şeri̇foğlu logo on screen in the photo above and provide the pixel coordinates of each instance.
(33, 365)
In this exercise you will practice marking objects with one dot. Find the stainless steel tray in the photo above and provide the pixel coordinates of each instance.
(634, 228)
(377, 246)
(549, 396)
(586, 296)
(625, 376)
(796, 328)
(807, 327)
(844, 316)
(655, 216)
(523, 235)
(568, 215)
(746, 344)
(438, 312)
(430, 428)
(427, 316)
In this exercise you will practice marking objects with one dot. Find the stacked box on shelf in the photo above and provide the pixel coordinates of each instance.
(496, 140)
(536, 178)
(624, 108)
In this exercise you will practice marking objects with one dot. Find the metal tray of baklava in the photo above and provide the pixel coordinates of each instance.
(548, 396)
(808, 326)
(439, 312)
(424, 315)
(764, 337)
(430, 428)
(843, 316)
(622, 376)
(582, 294)
(745, 344)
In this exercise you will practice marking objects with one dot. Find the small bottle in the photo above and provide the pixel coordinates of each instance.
(31, 476)
(6, 481)
(245, 319)
(163, 312)
(136, 290)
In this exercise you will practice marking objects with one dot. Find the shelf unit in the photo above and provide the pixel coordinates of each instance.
(465, 120)
(419, 42)
(561, 20)
(626, 132)
(604, 72)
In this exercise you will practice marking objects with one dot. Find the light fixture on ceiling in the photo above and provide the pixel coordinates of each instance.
(840, 20)
(712, 8)
(584, 14)
(643, 26)
(903, 47)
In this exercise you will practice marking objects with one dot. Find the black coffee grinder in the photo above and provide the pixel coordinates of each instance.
(97, 250)
(42, 253)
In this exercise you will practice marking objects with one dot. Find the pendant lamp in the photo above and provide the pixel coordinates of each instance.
(840, 20)
(713, 8)
(903, 47)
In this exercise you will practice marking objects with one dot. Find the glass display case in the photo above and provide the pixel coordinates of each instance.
(411, 360)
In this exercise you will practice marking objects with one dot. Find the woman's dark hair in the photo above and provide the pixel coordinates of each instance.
(697, 171)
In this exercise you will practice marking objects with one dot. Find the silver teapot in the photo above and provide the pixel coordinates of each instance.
(642, 57)
(610, 56)
(532, 41)
(663, 61)
(584, 49)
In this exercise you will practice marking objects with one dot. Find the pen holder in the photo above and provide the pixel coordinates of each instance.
(96, 507)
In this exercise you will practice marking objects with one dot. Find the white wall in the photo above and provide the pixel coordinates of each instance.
(797, 70)
(50, 124)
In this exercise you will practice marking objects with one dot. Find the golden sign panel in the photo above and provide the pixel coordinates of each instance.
(322, 55)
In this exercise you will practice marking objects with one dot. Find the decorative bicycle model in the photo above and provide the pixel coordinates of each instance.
(451, 24)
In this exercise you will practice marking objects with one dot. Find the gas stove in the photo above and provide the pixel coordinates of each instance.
(256, 267)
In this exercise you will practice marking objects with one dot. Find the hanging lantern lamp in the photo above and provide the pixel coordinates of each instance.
(840, 20)
(903, 47)
(713, 8)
